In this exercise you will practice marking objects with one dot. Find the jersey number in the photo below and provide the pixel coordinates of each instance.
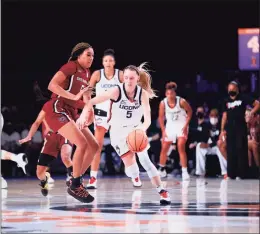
(174, 117)
(129, 114)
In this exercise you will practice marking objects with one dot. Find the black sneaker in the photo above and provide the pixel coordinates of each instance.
(81, 194)
(69, 181)
(44, 187)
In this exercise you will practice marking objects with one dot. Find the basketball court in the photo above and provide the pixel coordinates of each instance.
(200, 206)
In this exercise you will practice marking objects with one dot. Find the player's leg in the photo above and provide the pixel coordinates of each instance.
(71, 132)
(92, 148)
(181, 144)
(131, 168)
(165, 146)
(41, 171)
(20, 159)
(154, 176)
(99, 135)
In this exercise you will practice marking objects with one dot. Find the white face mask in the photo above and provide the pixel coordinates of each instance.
(213, 120)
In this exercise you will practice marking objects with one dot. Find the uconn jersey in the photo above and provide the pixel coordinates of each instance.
(105, 84)
(125, 116)
(126, 113)
(176, 114)
(175, 120)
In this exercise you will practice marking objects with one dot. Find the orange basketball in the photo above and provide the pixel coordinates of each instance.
(137, 140)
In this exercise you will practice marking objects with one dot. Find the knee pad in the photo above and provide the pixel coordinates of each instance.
(132, 171)
(147, 164)
(45, 160)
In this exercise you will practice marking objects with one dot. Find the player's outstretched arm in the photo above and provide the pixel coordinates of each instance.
(34, 127)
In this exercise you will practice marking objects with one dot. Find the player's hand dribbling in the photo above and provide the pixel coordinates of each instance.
(24, 140)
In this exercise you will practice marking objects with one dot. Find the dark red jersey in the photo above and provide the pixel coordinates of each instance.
(77, 78)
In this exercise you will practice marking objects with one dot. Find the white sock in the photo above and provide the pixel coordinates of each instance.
(93, 174)
(159, 188)
(184, 170)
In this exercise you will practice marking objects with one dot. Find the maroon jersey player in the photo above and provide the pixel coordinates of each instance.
(68, 85)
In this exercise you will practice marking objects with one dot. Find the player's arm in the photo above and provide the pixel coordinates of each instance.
(256, 106)
(147, 110)
(34, 127)
(112, 94)
(94, 79)
(222, 135)
(58, 79)
(161, 116)
(186, 106)
(121, 76)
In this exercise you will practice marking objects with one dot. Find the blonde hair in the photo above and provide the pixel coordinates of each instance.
(145, 78)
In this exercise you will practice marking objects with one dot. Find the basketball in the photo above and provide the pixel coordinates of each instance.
(137, 140)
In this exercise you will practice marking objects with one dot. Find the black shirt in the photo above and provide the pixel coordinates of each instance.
(236, 108)
(214, 134)
(199, 132)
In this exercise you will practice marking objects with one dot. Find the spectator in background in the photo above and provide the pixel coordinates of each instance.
(198, 128)
(234, 128)
(253, 126)
(210, 147)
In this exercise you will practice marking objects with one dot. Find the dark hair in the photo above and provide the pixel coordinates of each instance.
(78, 50)
(171, 86)
(109, 52)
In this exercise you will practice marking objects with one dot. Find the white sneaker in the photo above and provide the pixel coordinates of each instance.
(137, 182)
(92, 183)
(185, 176)
(21, 161)
(50, 180)
(3, 183)
(165, 198)
(163, 173)
(238, 178)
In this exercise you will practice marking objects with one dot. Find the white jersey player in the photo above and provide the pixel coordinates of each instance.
(103, 79)
(129, 103)
(177, 113)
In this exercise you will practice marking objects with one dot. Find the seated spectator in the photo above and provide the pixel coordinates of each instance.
(253, 126)
(210, 146)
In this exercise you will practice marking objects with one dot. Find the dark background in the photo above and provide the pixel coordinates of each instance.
(179, 39)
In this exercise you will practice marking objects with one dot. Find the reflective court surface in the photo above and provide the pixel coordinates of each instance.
(200, 206)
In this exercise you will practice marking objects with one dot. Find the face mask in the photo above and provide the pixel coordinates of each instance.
(200, 115)
(232, 93)
(213, 120)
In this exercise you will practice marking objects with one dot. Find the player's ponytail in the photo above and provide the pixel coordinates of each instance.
(145, 79)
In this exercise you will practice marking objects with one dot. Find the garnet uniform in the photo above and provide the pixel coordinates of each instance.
(59, 110)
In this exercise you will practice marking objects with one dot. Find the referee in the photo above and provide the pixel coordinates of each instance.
(234, 128)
